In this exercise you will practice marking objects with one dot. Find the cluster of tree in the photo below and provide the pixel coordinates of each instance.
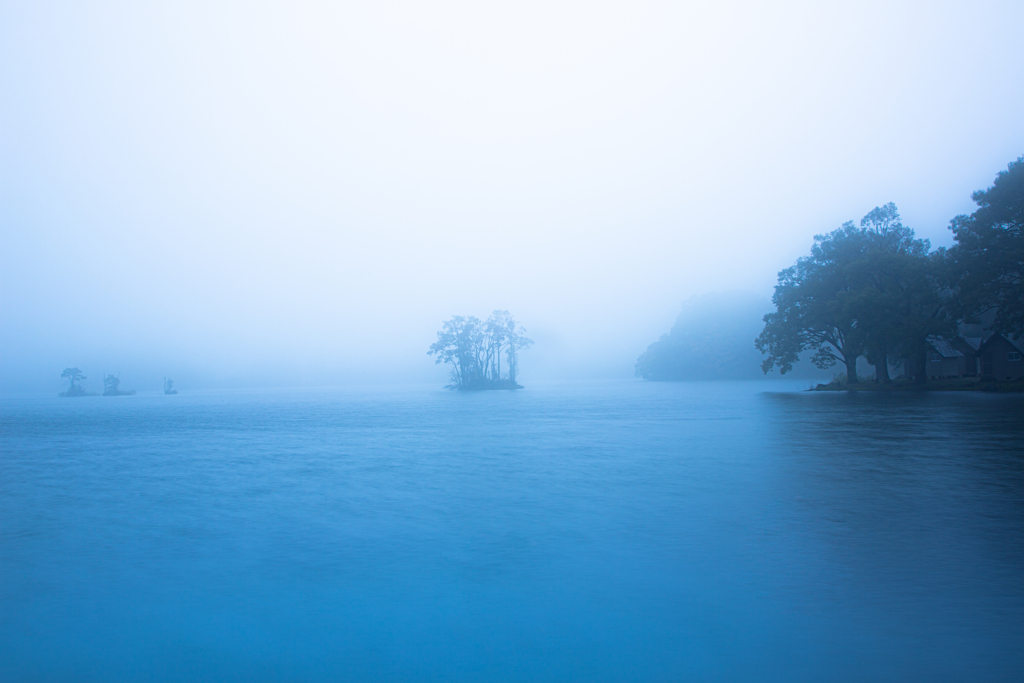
(475, 348)
(875, 290)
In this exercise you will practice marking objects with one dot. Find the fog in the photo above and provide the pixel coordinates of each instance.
(244, 194)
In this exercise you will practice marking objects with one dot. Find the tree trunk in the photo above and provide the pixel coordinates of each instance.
(851, 370)
(883, 366)
(922, 364)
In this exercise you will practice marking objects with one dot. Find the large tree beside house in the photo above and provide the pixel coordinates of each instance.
(988, 257)
(873, 290)
(904, 300)
(816, 303)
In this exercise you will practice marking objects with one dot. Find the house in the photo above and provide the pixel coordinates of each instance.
(943, 360)
(969, 347)
(1001, 357)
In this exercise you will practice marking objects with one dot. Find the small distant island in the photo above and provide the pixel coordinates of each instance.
(169, 387)
(73, 375)
(111, 384)
(474, 348)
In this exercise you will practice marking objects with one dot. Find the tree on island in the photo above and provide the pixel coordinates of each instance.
(73, 375)
(474, 348)
(111, 384)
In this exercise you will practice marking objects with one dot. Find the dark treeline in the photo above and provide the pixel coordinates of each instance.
(475, 349)
(875, 290)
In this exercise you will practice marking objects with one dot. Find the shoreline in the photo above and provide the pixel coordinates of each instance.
(904, 385)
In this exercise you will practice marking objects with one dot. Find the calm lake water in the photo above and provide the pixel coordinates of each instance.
(580, 532)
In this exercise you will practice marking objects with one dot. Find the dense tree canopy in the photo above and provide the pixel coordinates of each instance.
(903, 299)
(475, 348)
(988, 258)
(815, 302)
(875, 290)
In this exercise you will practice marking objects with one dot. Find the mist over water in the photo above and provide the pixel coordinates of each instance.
(582, 531)
(289, 195)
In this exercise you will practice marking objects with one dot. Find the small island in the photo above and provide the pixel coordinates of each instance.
(474, 349)
(73, 375)
(169, 389)
(111, 384)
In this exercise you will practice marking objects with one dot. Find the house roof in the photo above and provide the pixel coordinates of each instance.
(973, 342)
(1017, 343)
(944, 348)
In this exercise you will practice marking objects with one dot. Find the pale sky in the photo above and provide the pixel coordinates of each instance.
(245, 194)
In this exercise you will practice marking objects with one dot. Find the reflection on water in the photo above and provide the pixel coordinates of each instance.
(619, 531)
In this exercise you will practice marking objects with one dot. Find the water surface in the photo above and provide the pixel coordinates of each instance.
(589, 532)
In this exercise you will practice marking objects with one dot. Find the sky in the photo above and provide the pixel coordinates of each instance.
(284, 194)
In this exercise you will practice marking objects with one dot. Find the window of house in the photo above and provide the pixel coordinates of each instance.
(936, 357)
(1013, 355)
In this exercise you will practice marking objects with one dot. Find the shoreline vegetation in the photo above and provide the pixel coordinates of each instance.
(877, 291)
(474, 349)
(946, 319)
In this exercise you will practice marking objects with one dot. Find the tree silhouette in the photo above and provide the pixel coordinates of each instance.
(73, 375)
(988, 258)
(475, 348)
(874, 290)
(815, 304)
